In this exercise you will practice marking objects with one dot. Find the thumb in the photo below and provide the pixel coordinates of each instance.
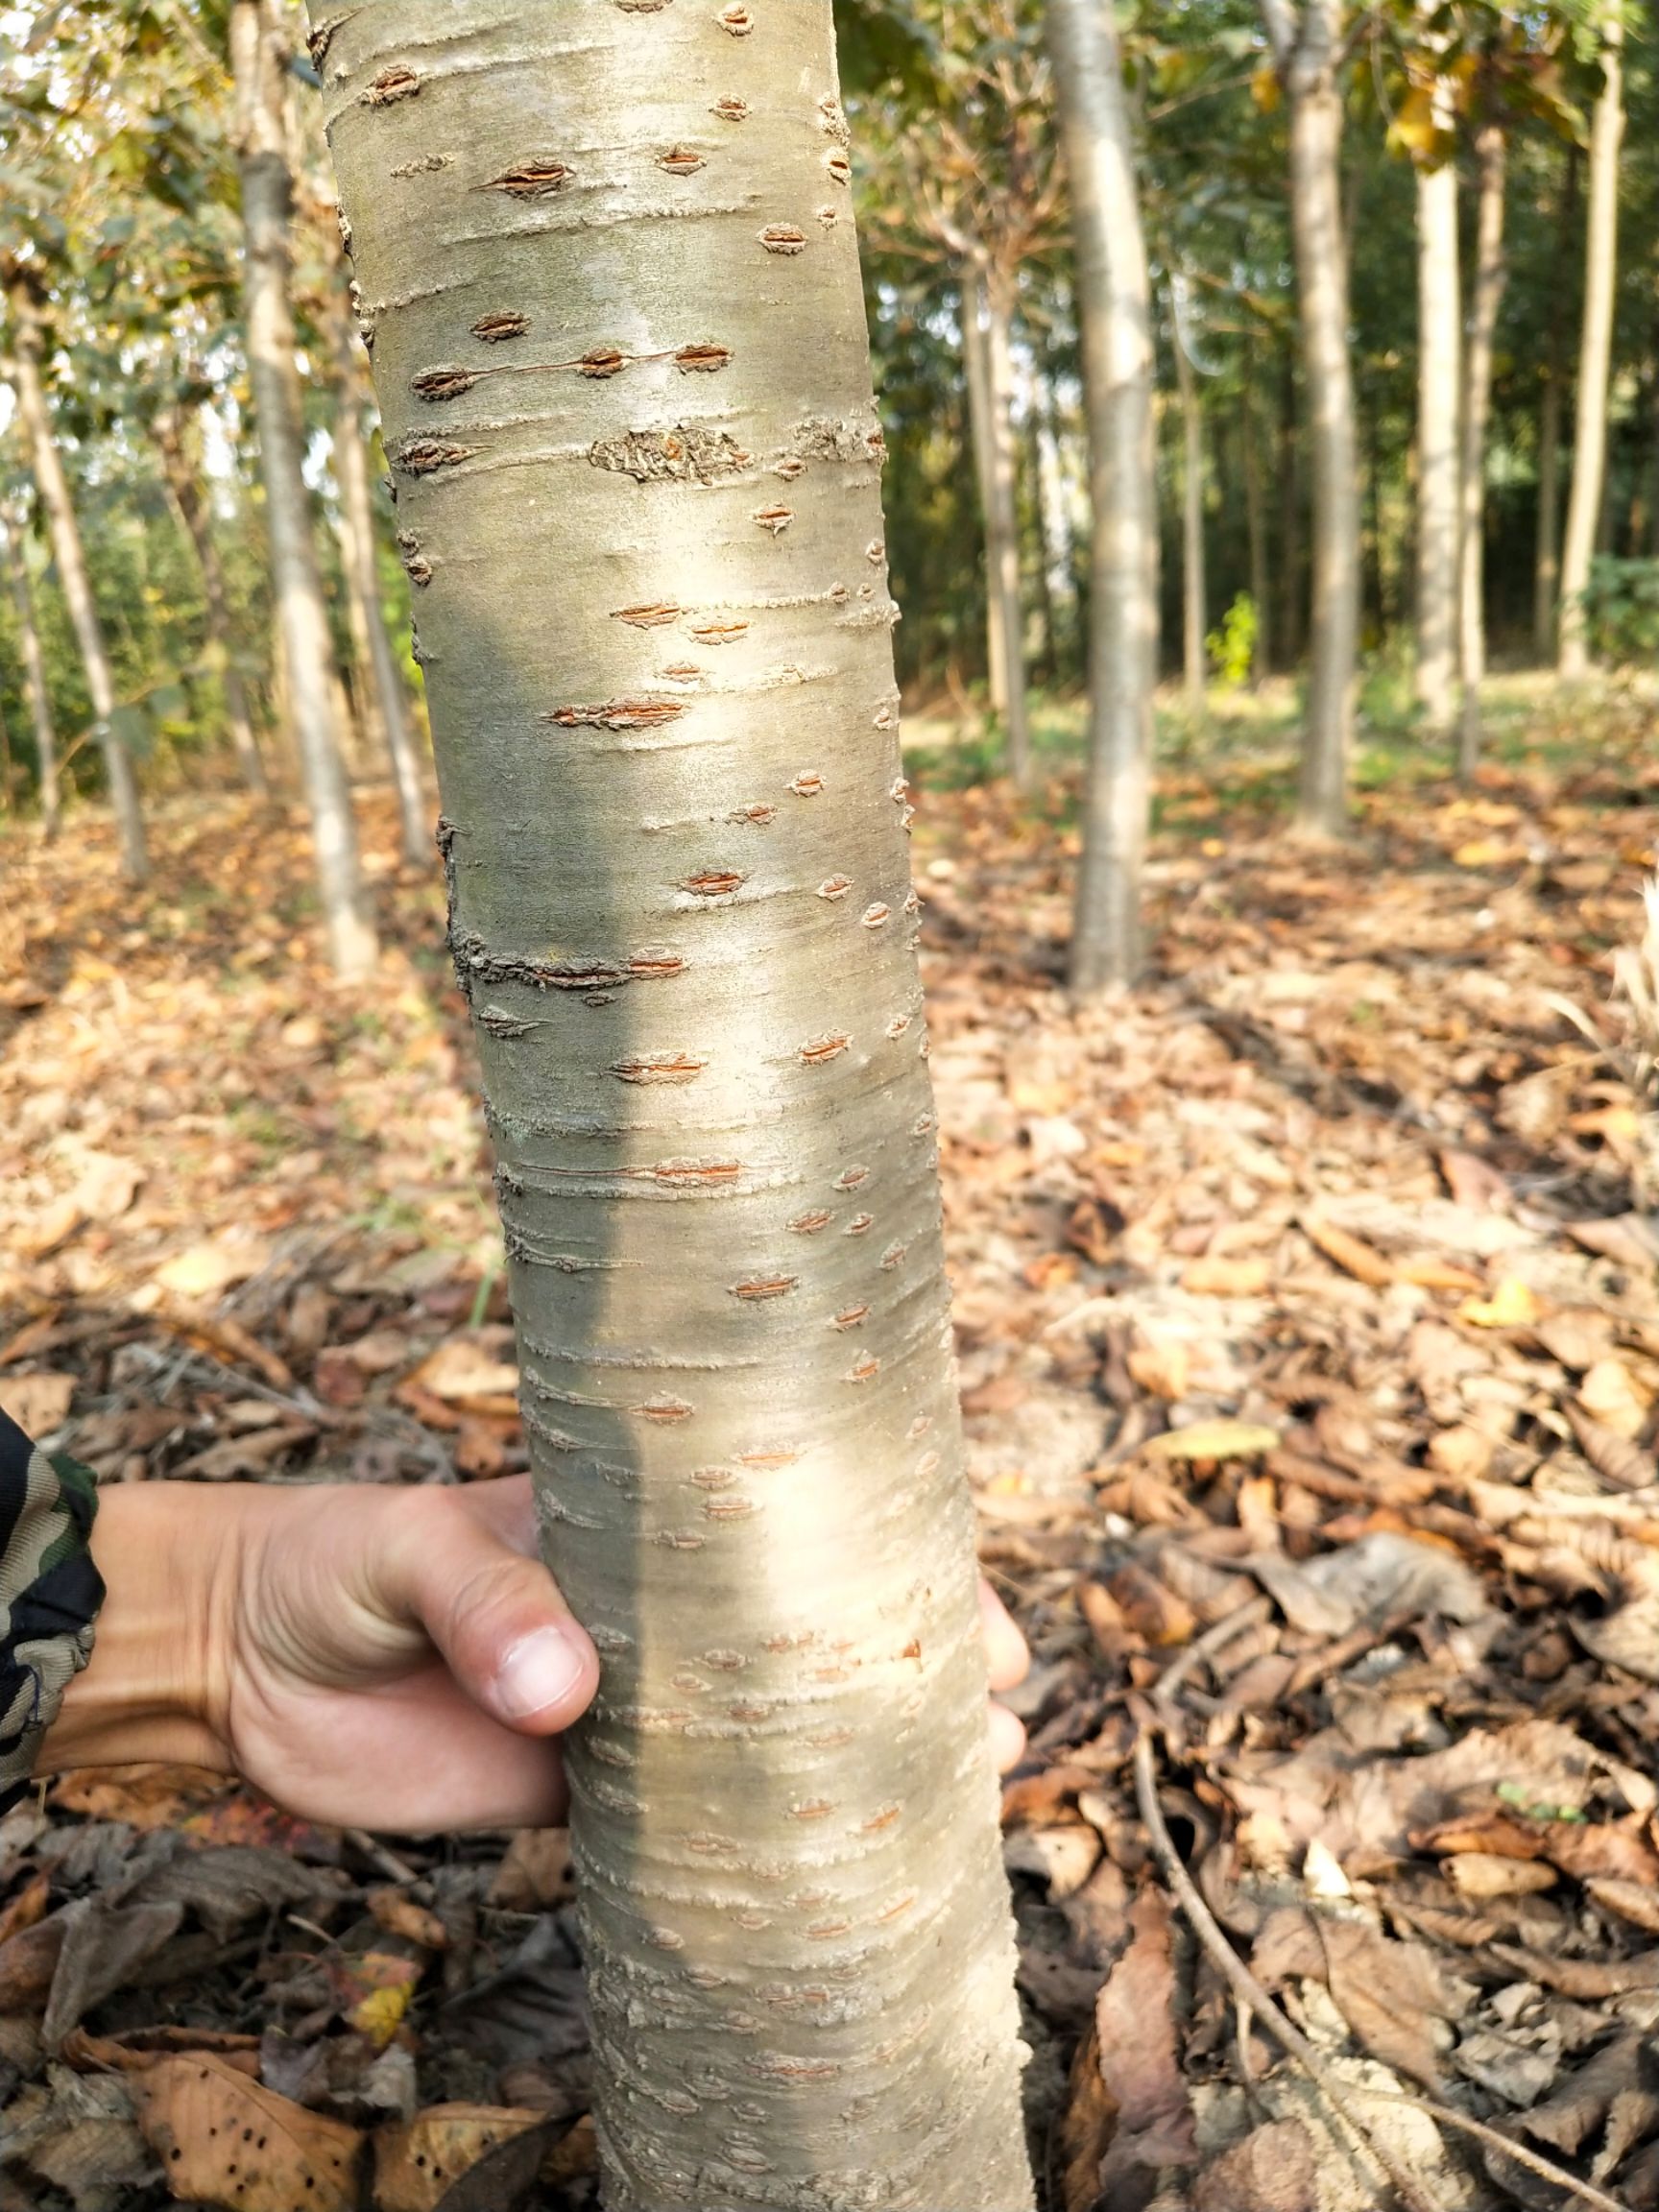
(499, 1619)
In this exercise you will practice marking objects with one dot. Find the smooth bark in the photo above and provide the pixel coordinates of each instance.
(75, 582)
(1114, 318)
(35, 680)
(1486, 299)
(1594, 354)
(977, 382)
(267, 209)
(1439, 398)
(994, 319)
(1547, 557)
(1256, 527)
(622, 369)
(189, 503)
(1292, 563)
(1307, 41)
(1194, 619)
(390, 722)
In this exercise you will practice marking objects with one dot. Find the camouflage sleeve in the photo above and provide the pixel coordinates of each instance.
(50, 1593)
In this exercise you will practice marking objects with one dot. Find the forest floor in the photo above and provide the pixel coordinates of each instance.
(1310, 1335)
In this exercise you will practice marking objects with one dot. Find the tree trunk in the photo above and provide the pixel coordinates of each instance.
(363, 584)
(184, 490)
(657, 637)
(1256, 525)
(1194, 620)
(1486, 296)
(1308, 58)
(1114, 318)
(976, 376)
(34, 682)
(1002, 522)
(1439, 330)
(1042, 571)
(1292, 598)
(1594, 354)
(1058, 534)
(1547, 560)
(267, 201)
(77, 585)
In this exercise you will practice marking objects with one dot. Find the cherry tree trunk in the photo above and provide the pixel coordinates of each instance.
(609, 278)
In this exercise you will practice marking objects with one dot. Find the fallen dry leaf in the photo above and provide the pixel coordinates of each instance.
(1134, 2024)
(38, 1401)
(416, 2165)
(1512, 1305)
(1202, 1440)
(222, 2139)
(1352, 1253)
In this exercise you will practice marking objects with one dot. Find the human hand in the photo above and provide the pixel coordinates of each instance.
(388, 1658)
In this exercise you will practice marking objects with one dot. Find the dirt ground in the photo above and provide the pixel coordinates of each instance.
(1309, 1339)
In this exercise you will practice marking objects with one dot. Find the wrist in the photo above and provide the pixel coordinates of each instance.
(156, 1687)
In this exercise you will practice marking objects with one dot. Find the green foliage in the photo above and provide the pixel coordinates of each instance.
(1231, 648)
(1622, 609)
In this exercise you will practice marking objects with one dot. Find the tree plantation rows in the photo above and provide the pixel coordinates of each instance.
(1143, 520)
(1289, 345)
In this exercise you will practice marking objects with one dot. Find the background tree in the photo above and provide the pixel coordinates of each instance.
(1595, 350)
(1115, 315)
(1307, 42)
(33, 672)
(258, 68)
(27, 348)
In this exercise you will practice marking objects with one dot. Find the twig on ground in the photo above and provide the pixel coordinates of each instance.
(1249, 1992)
(1215, 1638)
(380, 1855)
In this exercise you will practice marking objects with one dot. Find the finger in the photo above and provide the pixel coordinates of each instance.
(497, 1618)
(1007, 1738)
(1006, 1650)
(506, 1503)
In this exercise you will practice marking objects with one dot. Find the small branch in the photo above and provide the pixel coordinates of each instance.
(1249, 1992)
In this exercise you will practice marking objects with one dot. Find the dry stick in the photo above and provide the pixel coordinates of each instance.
(1249, 1992)
(1213, 1639)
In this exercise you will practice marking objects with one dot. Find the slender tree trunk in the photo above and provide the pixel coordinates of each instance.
(267, 202)
(680, 910)
(77, 585)
(363, 584)
(1041, 576)
(1439, 331)
(1002, 522)
(1115, 318)
(1486, 296)
(1256, 525)
(1052, 485)
(1194, 620)
(1594, 354)
(1292, 598)
(34, 682)
(1547, 563)
(1308, 43)
(184, 490)
(976, 376)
